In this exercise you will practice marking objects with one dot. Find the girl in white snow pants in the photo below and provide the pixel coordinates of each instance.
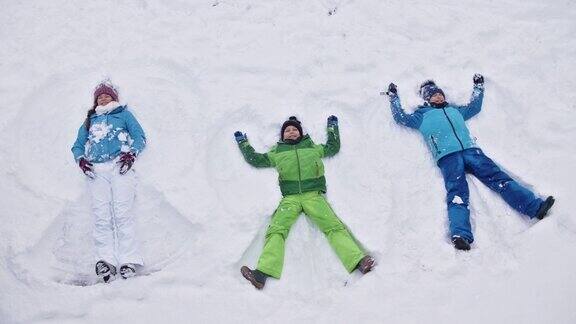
(106, 147)
(112, 199)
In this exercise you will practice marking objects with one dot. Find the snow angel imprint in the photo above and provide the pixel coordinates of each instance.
(443, 127)
(106, 147)
(302, 183)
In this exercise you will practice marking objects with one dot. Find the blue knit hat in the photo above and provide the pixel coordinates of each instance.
(428, 89)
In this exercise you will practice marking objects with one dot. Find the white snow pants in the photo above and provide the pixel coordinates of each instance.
(112, 199)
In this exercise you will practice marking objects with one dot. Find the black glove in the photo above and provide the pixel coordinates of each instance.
(240, 137)
(86, 167)
(478, 79)
(392, 90)
(332, 121)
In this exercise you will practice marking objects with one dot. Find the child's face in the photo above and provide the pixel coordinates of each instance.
(291, 133)
(103, 99)
(437, 98)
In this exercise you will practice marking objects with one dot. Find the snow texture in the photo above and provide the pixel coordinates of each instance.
(457, 200)
(193, 72)
(99, 131)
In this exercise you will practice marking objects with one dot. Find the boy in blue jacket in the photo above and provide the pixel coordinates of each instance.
(443, 127)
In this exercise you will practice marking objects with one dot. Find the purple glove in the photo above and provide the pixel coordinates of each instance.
(86, 167)
(126, 161)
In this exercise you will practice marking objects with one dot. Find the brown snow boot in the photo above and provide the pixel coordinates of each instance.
(366, 264)
(256, 277)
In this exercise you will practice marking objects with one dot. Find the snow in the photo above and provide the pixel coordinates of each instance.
(100, 131)
(193, 72)
(457, 200)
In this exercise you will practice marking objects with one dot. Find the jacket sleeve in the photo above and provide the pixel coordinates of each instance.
(470, 110)
(332, 145)
(80, 144)
(257, 160)
(136, 134)
(401, 117)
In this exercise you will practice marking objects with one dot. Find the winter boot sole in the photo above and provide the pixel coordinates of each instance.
(366, 264)
(249, 275)
(461, 244)
(545, 207)
(127, 271)
(105, 270)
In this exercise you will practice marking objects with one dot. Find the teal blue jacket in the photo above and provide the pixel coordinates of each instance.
(109, 135)
(444, 129)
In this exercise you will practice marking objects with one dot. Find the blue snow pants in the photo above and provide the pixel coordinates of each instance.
(454, 167)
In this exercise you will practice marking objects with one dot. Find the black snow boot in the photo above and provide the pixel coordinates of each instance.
(366, 264)
(460, 243)
(256, 277)
(127, 270)
(105, 270)
(545, 207)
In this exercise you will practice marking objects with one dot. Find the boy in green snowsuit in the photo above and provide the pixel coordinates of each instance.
(302, 183)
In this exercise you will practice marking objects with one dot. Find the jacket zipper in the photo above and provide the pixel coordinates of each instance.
(434, 143)
(107, 142)
(299, 171)
(453, 129)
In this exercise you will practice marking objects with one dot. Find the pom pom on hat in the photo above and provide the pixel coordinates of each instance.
(428, 89)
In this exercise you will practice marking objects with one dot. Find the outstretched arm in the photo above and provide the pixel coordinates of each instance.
(255, 159)
(470, 110)
(400, 116)
(332, 145)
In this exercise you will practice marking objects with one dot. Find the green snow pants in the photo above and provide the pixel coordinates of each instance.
(317, 208)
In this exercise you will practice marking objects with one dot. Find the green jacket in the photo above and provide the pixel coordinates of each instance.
(300, 168)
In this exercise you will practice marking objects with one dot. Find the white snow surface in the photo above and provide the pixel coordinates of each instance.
(193, 72)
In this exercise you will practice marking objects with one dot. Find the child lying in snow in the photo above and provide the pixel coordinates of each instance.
(301, 175)
(107, 145)
(444, 130)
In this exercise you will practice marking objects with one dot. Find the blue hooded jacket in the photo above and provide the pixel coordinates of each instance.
(110, 134)
(443, 129)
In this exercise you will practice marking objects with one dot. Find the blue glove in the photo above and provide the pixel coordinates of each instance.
(332, 121)
(240, 137)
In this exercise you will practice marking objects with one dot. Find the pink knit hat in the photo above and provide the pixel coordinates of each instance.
(106, 88)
